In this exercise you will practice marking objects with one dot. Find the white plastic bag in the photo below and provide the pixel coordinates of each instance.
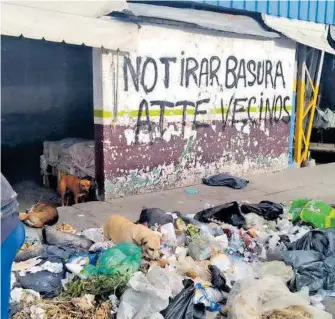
(146, 295)
(250, 299)
(275, 268)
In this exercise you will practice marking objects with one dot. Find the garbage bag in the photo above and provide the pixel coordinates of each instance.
(123, 259)
(329, 283)
(205, 295)
(296, 207)
(310, 275)
(322, 241)
(183, 307)
(52, 236)
(224, 179)
(200, 248)
(314, 212)
(47, 283)
(275, 268)
(218, 279)
(250, 299)
(315, 276)
(267, 209)
(229, 213)
(49, 252)
(297, 258)
(146, 295)
(152, 216)
(204, 229)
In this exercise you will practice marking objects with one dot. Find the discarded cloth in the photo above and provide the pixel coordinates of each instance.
(267, 209)
(224, 179)
(229, 213)
(314, 212)
(183, 307)
(154, 216)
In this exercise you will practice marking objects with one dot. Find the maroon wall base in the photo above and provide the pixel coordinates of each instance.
(139, 168)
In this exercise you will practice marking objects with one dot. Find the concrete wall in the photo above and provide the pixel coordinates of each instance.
(186, 105)
(46, 94)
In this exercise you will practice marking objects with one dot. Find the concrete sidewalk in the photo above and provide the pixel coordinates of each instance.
(313, 182)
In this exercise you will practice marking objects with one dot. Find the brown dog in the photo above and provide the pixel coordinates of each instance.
(39, 215)
(78, 187)
(120, 229)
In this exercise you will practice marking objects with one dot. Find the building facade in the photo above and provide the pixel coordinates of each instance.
(188, 104)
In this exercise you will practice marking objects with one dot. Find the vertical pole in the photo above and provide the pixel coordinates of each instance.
(292, 124)
(315, 97)
(98, 121)
(299, 130)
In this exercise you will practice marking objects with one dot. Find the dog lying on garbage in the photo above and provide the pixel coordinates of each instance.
(120, 229)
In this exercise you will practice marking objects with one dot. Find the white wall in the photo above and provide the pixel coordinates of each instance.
(260, 133)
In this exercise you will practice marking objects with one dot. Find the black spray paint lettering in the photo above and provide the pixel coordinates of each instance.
(166, 61)
(214, 65)
(145, 72)
(145, 123)
(142, 72)
(184, 104)
(135, 75)
(197, 124)
(162, 105)
(146, 63)
(242, 74)
(237, 105)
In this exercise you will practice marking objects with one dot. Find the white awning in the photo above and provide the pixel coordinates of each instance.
(36, 23)
(239, 24)
(92, 9)
(307, 33)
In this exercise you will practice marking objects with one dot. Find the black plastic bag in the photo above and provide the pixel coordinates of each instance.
(312, 275)
(298, 258)
(267, 209)
(329, 283)
(48, 284)
(224, 179)
(218, 280)
(51, 236)
(153, 216)
(182, 306)
(229, 213)
(321, 241)
(49, 252)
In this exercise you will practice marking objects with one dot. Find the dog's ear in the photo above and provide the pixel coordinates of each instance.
(139, 241)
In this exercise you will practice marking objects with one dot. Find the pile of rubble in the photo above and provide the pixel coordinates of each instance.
(240, 260)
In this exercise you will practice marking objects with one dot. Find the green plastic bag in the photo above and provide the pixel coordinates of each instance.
(122, 260)
(296, 207)
(314, 212)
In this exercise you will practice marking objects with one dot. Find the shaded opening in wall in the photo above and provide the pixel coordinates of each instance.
(46, 95)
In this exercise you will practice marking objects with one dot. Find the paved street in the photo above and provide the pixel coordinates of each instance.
(314, 182)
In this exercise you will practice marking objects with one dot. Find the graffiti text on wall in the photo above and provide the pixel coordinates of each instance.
(145, 74)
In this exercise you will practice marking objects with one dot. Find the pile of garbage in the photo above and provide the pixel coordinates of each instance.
(239, 260)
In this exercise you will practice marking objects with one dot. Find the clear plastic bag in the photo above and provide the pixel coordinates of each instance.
(250, 299)
(146, 295)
